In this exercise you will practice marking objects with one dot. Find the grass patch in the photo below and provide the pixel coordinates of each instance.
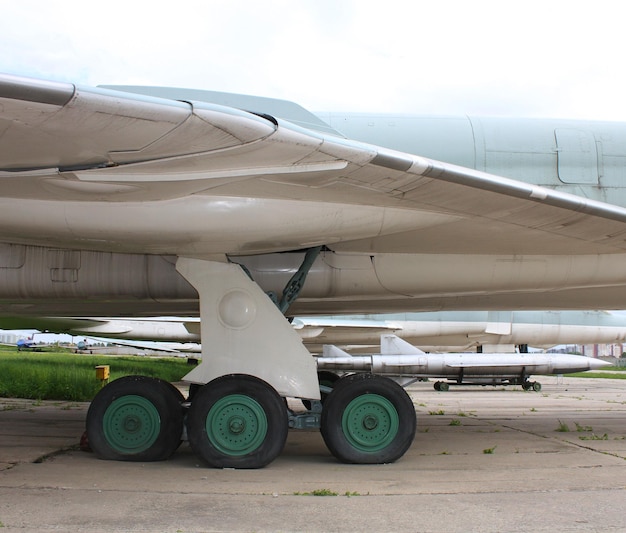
(72, 377)
(489, 451)
(594, 437)
(616, 373)
(455, 422)
(437, 413)
(563, 427)
(320, 492)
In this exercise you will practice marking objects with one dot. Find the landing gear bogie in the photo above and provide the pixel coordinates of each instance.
(531, 385)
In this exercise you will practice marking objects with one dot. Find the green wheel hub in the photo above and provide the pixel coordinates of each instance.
(131, 424)
(370, 423)
(236, 425)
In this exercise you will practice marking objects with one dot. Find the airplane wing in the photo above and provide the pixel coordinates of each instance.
(317, 331)
(175, 348)
(70, 325)
(106, 147)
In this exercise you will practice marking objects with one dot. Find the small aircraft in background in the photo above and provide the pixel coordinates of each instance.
(28, 344)
(406, 364)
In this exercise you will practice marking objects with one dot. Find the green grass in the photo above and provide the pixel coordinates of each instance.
(563, 427)
(72, 377)
(320, 492)
(594, 437)
(616, 373)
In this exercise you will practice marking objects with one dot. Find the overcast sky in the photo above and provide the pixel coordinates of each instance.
(531, 58)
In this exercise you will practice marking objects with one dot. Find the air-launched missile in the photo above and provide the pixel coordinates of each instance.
(400, 359)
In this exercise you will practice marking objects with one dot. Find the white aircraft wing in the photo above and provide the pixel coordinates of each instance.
(169, 347)
(105, 149)
(157, 328)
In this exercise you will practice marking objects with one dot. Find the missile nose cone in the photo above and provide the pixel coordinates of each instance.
(595, 364)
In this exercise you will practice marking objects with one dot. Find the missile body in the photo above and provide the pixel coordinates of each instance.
(401, 359)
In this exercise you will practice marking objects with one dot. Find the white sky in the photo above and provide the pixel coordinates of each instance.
(531, 58)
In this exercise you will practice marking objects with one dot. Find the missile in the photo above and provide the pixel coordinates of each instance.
(398, 358)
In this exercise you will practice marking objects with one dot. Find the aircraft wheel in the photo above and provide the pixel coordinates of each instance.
(437, 385)
(526, 385)
(444, 387)
(237, 421)
(368, 419)
(135, 418)
(536, 386)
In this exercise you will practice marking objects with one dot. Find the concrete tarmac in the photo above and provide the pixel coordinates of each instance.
(484, 459)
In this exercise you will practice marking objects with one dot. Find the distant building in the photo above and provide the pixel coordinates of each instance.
(602, 350)
(9, 338)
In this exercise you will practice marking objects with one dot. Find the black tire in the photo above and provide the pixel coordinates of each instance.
(368, 419)
(327, 378)
(135, 418)
(237, 421)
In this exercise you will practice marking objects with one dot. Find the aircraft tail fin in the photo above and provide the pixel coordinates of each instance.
(393, 345)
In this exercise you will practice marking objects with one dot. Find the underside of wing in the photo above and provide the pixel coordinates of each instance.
(116, 158)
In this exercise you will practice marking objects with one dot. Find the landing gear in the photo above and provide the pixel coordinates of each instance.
(327, 379)
(237, 421)
(368, 419)
(534, 385)
(441, 386)
(136, 418)
(252, 360)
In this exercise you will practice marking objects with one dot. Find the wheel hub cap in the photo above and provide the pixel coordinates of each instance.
(131, 424)
(370, 422)
(236, 425)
